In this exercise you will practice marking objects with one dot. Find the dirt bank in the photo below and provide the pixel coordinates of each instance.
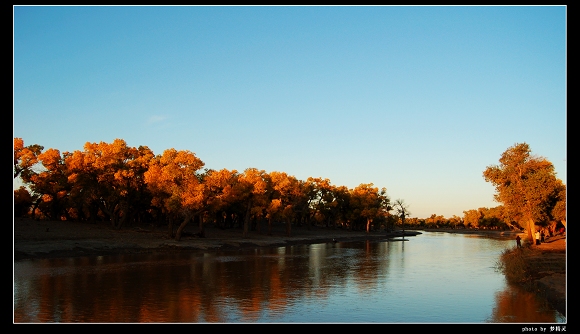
(548, 263)
(49, 239)
(540, 269)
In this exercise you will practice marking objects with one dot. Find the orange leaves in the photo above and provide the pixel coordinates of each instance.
(274, 205)
(18, 145)
(181, 160)
(25, 158)
(75, 161)
(221, 188)
(252, 181)
(174, 167)
(286, 187)
(114, 178)
(525, 184)
(174, 176)
(193, 197)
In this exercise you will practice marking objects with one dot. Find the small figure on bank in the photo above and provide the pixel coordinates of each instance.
(542, 236)
(537, 237)
(519, 241)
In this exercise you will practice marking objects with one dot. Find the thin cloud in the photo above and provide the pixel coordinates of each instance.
(155, 119)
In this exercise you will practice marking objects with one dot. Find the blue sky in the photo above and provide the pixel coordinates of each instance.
(415, 99)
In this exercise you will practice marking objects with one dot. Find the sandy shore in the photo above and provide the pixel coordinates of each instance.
(49, 239)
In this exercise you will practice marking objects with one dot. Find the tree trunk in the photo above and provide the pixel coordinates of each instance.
(369, 225)
(219, 217)
(182, 227)
(126, 216)
(121, 221)
(93, 212)
(229, 221)
(247, 219)
(201, 227)
(531, 231)
(36, 204)
(111, 211)
(270, 226)
(289, 227)
(170, 227)
(114, 221)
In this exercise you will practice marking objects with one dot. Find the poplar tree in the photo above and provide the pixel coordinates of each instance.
(526, 185)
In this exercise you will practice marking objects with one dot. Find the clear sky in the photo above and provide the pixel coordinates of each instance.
(419, 100)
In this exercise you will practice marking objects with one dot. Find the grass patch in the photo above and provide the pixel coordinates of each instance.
(512, 263)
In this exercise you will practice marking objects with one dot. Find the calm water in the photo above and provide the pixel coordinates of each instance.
(432, 278)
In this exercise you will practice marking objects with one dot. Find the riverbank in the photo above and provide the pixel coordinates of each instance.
(540, 269)
(50, 239)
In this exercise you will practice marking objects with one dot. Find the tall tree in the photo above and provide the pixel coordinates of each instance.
(22, 202)
(526, 185)
(321, 199)
(368, 203)
(174, 180)
(25, 157)
(471, 218)
(342, 205)
(454, 221)
(559, 210)
(220, 195)
(110, 176)
(293, 199)
(252, 189)
(402, 210)
(49, 186)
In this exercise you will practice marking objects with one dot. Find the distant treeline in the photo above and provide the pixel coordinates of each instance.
(496, 218)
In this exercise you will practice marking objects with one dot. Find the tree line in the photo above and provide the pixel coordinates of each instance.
(124, 185)
(484, 218)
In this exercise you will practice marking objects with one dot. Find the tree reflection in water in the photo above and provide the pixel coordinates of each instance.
(335, 282)
(513, 305)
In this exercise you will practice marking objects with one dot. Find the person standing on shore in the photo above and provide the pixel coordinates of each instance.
(537, 237)
(518, 241)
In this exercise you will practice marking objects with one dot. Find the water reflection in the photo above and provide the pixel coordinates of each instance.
(436, 279)
(515, 306)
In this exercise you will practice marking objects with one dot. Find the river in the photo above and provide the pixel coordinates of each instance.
(431, 278)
